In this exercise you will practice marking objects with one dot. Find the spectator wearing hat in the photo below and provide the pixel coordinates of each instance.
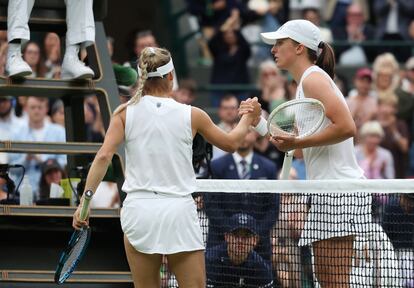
(52, 172)
(243, 164)
(234, 263)
(361, 102)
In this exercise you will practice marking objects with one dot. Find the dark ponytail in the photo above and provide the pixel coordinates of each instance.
(325, 60)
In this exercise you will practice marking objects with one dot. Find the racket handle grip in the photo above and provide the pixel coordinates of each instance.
(85, 204)
(287, 164)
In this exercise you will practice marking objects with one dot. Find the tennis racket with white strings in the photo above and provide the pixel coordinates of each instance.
(298, 118)
(77, 245)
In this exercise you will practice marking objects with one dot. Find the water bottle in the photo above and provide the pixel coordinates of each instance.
(26, 192)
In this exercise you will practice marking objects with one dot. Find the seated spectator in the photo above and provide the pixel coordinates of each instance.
(186, 92)
(3, 192)
(398, 223)
(230, 53)
(142, 40)
(313, 15)
(234, 263)
(8, 120)
(393, 19)
(386, 76)
(52, 172)
(211, 14)
(271, 86)
(34, 58)
(219, 207)
(37, 129)
(408, 81)
(95, 131)
(286, 257)
(377, 162)
(52, 54)
(57, 113)
(362, 104)
(228, 118)
(355, 31)
(396, 138)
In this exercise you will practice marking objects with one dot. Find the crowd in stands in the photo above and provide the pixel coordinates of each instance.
(380, 98)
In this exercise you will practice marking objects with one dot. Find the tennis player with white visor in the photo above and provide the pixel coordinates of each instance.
(334, 220)
(159, 215)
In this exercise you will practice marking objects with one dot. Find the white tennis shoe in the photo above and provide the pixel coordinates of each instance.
(73, 68)
(16, 66)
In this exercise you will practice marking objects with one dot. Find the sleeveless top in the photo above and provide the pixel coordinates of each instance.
(158, 148)
(336, 161)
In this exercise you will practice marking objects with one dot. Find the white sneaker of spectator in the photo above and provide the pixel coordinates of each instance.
(73, 68)
(15, 65)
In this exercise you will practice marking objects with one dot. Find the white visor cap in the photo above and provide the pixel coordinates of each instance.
(302, 31)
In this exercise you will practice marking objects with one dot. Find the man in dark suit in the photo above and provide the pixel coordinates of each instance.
(243, 164)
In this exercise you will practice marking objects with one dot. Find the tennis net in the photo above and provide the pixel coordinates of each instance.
(307, 233)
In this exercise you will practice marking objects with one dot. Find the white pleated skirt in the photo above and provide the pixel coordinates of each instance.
(337, 215)
(161, 224)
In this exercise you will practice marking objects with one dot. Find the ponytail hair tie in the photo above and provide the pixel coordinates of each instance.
(321, 45)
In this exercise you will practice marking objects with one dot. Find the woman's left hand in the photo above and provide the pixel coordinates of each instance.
(284, 142)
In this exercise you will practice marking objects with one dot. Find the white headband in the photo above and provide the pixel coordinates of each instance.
(161, 71)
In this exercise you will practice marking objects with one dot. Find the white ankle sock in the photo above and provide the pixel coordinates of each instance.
(72, 50)
(14, 48)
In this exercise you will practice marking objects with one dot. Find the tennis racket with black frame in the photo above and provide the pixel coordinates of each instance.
(299, 118)
(76, 247)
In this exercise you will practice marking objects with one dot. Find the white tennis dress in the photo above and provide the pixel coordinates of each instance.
(333, 215)
(159, 214)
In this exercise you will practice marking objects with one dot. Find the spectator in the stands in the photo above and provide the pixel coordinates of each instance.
(271, 86)
(233, 262)
(398, 223)
(385, 75)
(388, 87)
(355, 31)
(230, 53)
(142, 40)
(3, 191)
(228, 117)
(335, 12)
(393, 19)
(57, 113)
(33, 57)
(186, 92)
(396, 138)
(313, 15)
(37, 129)
(408, 82)
(95, 131)
(211, 14)
(53, 55)
(287, 262)
(3, 57)
(243, 164)
(110, 42)
(362, 103)
(52, 172)
(8, 120)
(376, 161)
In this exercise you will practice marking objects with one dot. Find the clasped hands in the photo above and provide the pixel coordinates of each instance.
(283, 142)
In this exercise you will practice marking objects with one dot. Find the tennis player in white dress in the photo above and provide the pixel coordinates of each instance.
(159, 216)
(334, 220)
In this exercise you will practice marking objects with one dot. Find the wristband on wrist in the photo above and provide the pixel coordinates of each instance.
(261, 128)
